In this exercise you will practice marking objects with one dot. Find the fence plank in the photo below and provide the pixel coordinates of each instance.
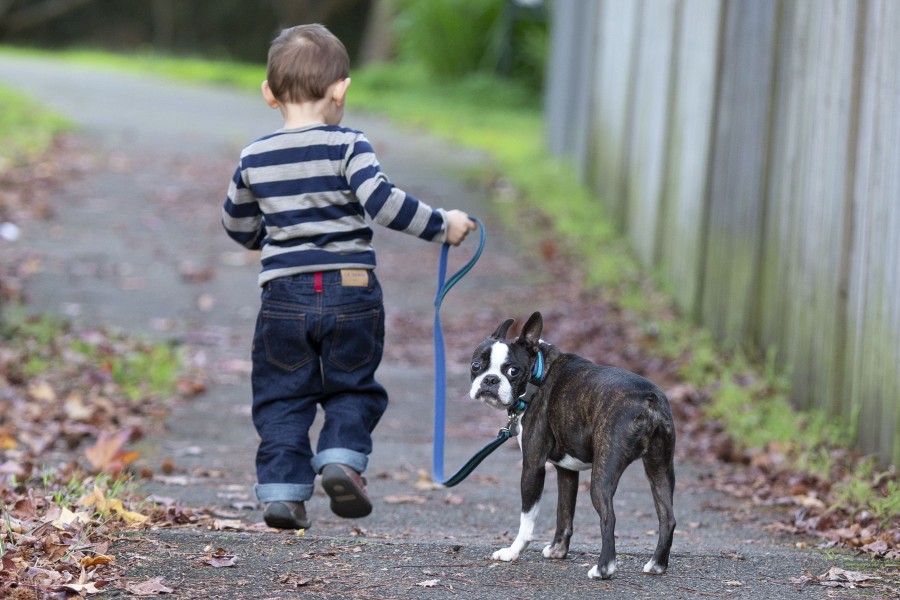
(874, 296)
(611, 92)
(647, 146)
(738, 168)
(571, 56)
(689, 148)
(799, 295)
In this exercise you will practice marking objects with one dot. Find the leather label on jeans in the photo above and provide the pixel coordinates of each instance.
(354, 277)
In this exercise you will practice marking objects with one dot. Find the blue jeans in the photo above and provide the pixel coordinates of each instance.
(317, 342)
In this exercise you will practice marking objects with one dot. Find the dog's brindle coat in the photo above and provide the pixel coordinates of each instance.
(581, 416)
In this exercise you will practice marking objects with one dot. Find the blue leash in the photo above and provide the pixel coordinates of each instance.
(440, 373)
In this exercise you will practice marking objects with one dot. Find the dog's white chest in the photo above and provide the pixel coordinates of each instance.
(571, 463)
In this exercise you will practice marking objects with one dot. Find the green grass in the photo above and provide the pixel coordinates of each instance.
(42, 343)
(25, 128)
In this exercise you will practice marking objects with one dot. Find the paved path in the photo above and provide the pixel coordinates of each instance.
(137, 244)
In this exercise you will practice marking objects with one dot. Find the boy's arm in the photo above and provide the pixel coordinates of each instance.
(388, 205)
(241, 215)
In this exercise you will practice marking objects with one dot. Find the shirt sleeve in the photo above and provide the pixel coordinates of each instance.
(387, 204)
(241, 214)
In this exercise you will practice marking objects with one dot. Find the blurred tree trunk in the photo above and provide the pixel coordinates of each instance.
(363, 25)
(378, 39)
(19, 16)
(294, 12)
(164, 24)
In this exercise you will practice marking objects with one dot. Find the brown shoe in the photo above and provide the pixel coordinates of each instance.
(286, 515)
(347, 490)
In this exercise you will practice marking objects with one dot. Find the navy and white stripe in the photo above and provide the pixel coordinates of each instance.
(302, 196)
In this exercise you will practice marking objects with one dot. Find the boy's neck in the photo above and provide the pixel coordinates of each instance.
(305, 114)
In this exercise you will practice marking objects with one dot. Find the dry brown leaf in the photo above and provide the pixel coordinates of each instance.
(227, 524)
(41, 391)
(220, 558)
(98, 560)
(107, 455)
(405, 499)
(151, 587)
(426, 483)
(86, 588)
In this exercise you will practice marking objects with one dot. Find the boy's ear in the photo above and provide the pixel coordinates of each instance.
(339, 91)
(268, 95)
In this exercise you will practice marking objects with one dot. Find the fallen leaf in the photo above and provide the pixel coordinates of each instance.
(75, 408)
(838, 577)
(151, 587)
(426, 483)
(226, 524)
(93, 561)
(67, 517)
(405, 499)
(7, 441)
(428, 583)
(86, 588)
(109, 506)
(107, 455)
(41, 391)
(878, 548)
(220, 558)
(6, 563)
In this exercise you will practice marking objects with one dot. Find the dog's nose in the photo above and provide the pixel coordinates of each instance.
(490, 380)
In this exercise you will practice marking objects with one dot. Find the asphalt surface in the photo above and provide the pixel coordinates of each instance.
(136, 244)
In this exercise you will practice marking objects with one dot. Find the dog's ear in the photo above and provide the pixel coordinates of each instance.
(531, 332)
(500, 332)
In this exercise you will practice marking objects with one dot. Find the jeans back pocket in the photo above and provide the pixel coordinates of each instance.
(358, 339)
(284, 338)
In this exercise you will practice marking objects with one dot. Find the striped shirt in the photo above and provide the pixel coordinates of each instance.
(301, 196)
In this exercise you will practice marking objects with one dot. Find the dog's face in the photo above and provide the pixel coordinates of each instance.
(500, 368)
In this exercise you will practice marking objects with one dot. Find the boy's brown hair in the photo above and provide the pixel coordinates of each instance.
(303, 61)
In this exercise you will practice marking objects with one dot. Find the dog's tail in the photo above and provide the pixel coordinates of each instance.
(658, 403)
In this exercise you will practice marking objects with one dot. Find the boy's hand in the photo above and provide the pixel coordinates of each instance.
(458, 226)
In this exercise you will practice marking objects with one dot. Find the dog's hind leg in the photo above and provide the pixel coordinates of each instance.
(567, 484)
(660, 470)
(604, 481)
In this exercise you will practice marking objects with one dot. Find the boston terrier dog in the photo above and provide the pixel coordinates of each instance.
(580, 416)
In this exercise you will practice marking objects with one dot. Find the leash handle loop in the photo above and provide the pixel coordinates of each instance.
(440, 371)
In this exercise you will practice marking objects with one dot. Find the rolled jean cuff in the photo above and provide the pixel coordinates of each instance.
(283, 492)
(355, 460)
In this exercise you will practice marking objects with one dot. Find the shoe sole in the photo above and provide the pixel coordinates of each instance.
(281, 520)
(347, 500)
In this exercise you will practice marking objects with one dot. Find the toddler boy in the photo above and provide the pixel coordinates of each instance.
(301, 195)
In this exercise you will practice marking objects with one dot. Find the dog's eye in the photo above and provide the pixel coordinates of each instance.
(476, 365)
(513, 371)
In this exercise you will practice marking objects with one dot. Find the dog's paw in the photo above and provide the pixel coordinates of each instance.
(505, 554)
(654, 569)
(554, 551)
(603, 573)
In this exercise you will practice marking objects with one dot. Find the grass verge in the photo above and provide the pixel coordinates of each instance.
(26, 131)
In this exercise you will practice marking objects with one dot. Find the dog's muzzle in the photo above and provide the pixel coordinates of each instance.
(488, 391)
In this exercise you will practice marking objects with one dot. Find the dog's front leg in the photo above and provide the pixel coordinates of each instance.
(532, 490)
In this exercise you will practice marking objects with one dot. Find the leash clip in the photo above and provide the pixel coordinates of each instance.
(512, 425)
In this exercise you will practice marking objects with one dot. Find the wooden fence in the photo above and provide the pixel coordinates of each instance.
(750, 149)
